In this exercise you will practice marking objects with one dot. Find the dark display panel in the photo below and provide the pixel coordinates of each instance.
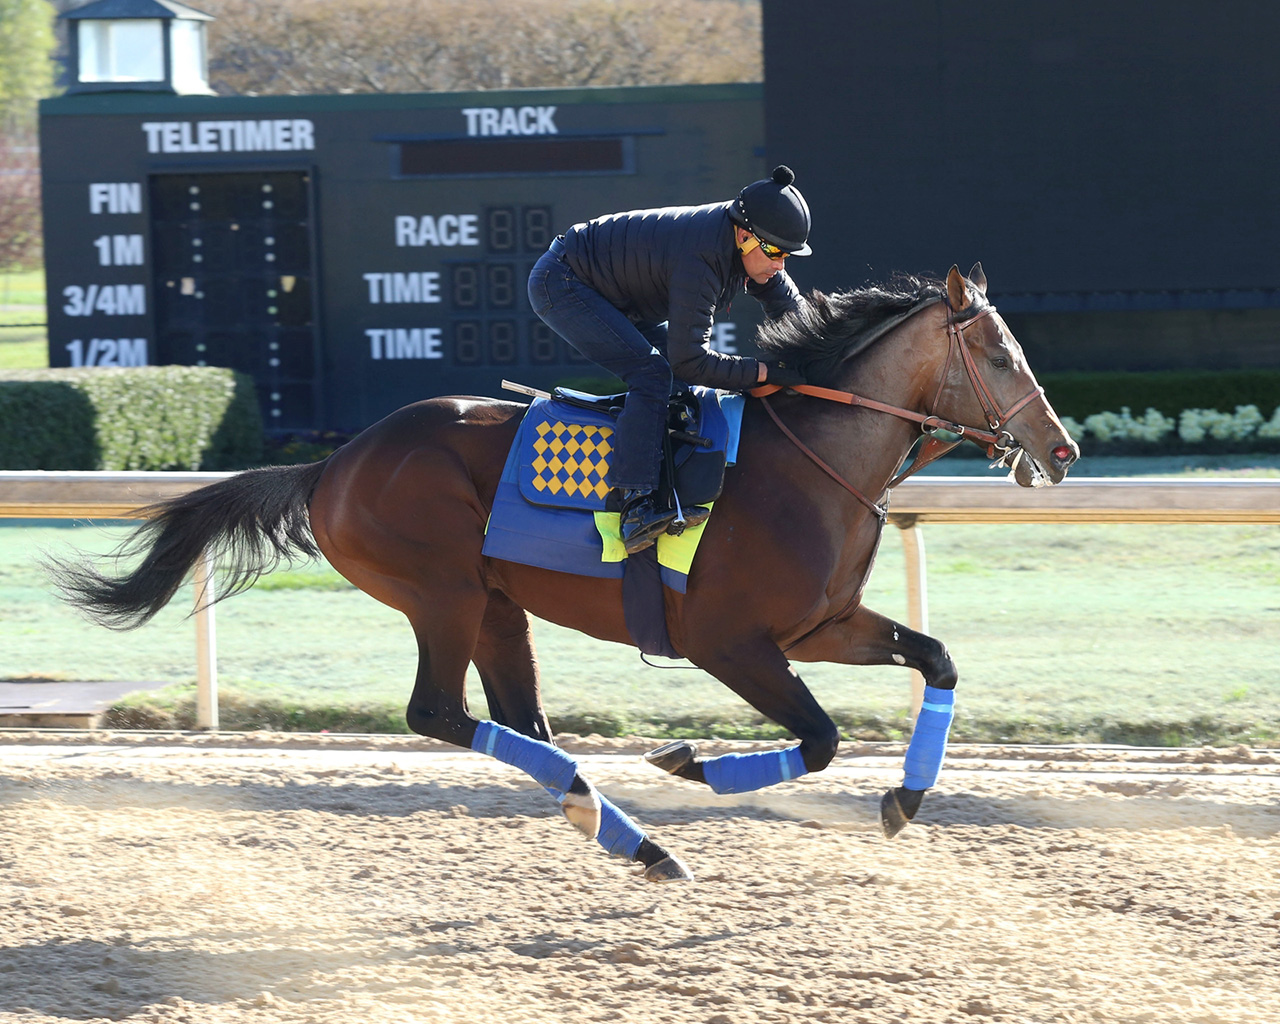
(443, 157)
(232, 278)
(1103, 155)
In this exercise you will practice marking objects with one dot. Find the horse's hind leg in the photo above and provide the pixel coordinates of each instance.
(447, 628)
(508, 668)
(508, 665)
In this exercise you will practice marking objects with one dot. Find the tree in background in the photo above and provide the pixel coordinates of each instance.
(26, 75)
(26, 68)
(20, 237)
(343, 46)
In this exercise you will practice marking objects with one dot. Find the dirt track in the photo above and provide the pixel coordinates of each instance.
(388, 881)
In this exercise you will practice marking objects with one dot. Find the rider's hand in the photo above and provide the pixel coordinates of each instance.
(781, 375)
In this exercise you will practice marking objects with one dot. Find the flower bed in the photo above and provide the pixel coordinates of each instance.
(1193, 431)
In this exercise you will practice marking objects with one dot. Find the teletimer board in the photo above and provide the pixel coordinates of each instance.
(357, 253)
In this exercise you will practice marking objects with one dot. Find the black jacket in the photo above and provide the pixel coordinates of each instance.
(677, 264)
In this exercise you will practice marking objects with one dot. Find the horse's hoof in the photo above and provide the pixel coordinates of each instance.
(673, 756)
(669, 869)
(583, 811)
(897, 807)
(893, 819)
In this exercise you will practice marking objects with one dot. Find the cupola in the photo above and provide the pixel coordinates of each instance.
(138, 45)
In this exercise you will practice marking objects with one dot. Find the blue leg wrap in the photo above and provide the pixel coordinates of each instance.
(546, 764)
(929, 740)
(741, 773)
(619, 835)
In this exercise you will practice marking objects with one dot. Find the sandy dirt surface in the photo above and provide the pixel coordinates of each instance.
(270, 881)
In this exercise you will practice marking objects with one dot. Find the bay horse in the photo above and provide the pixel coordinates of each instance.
(401, 512)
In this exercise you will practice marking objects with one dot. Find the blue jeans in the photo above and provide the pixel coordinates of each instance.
(588, 322)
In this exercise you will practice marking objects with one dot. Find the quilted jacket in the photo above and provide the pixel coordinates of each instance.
(677, 264)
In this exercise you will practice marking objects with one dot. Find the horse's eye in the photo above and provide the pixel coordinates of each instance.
(1000, 362)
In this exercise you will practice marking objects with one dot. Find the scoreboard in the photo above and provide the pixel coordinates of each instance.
(357, 253)
(1112, 163)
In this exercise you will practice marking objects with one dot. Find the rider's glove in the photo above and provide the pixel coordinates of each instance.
(783, 376)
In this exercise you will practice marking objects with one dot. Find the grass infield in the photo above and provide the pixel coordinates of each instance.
(23, 338)
(1162, 635)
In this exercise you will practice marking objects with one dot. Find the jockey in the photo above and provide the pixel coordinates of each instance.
(636, 293)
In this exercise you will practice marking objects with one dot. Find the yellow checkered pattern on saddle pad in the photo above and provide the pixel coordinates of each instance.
(571, 460)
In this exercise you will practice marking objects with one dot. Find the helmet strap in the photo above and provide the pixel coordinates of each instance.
(747, 245)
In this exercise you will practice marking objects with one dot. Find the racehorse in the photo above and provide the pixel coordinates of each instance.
(401, 512)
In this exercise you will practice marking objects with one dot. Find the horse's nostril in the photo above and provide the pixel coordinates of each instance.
(1063, 455)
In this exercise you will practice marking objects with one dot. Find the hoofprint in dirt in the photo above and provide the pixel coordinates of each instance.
(304, 879)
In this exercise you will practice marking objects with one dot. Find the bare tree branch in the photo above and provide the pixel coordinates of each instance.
(295, 46)
(20, 238)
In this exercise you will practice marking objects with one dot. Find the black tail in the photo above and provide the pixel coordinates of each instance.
(250, 522)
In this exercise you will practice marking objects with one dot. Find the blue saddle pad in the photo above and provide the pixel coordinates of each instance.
(553, 486)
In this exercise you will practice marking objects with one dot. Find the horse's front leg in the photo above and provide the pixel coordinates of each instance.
(757, 671)
(869, 638)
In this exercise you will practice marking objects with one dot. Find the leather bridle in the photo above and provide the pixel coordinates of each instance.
(996, 438)
(996, 418)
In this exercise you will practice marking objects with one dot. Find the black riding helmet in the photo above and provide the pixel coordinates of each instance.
(774, 210)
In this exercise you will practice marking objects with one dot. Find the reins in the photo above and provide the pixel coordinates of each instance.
(996, 438)
(875, 509)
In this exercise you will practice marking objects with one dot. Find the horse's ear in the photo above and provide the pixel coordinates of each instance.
(956, 294)
(978, 279)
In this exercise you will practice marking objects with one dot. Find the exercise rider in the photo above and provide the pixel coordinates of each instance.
(636, 292)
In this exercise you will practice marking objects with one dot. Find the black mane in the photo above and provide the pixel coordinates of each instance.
(826, 329)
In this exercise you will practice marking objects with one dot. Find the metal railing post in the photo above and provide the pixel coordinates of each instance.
(206, 645)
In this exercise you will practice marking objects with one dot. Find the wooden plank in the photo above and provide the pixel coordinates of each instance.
(35, 494)
(941, 499)
(1086, 500)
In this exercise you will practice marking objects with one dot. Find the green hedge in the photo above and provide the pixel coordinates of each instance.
(1082, 394)
(189, 417)
(147, 417)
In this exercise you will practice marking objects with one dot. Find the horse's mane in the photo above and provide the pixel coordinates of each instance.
(826, 329)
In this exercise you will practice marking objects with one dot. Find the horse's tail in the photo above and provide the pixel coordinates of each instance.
(251, 523)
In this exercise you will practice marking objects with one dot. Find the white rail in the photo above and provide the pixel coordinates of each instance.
(100, 495)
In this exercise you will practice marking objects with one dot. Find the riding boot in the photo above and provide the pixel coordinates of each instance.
(642, 520)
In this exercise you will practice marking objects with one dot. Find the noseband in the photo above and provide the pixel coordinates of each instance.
(997, 439)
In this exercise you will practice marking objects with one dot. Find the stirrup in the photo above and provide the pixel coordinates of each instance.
(695, 515)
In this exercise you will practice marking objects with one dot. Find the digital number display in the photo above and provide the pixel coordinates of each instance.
(495, 343)
(448, 158)
(485, 294)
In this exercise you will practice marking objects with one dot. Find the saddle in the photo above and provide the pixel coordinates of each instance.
(555, 510)
(573, 457)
